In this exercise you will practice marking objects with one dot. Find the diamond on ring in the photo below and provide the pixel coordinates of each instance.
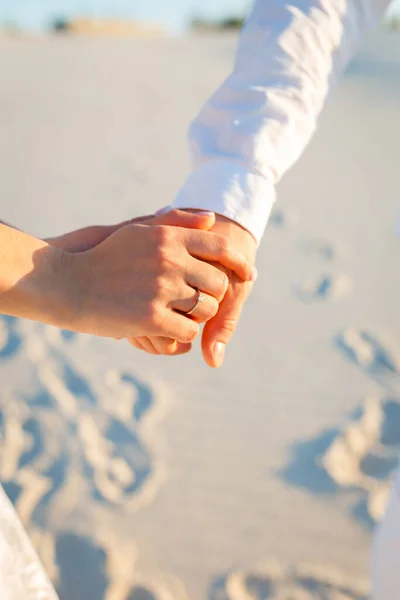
(199, 298)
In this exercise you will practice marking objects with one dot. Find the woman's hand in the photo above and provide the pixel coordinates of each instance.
(140, 280)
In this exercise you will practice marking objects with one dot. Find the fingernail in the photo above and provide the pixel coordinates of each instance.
(254, 274)
(206, 213)
(163, 211)
(219, 353)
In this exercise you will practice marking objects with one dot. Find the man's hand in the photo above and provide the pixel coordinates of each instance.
(87, 238)
(218, 330)
(90, 237)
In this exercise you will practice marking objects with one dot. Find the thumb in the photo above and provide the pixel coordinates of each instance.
(219, 330)
(182, 218)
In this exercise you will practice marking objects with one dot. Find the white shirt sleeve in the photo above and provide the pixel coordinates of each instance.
(257, 124)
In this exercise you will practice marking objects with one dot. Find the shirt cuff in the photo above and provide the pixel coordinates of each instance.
(228, 189)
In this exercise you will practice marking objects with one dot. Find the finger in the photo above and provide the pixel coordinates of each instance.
(135, 343)
(157, 344)
(139, 220)
(144, 218)
(176, 326)
(219, 330)
(164, 345)
(215, 247)
(209, 278)
(170, 347)
(187, 220)
(205, 309)
(146, 345)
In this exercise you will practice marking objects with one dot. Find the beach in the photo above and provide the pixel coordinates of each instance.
(150, 478)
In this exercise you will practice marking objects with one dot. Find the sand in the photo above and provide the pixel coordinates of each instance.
(143, 478)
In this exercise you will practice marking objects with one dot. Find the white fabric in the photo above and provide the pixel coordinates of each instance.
(21, 574)
(386, 553)
(254, 128)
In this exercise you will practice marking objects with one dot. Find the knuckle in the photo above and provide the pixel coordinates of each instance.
(152, 313)
(213, 308)
(190, 334)
(159, 285)
(229, 326)
(164, 263)
(165, 257)
(162, 234)
(224, 282)
(222, 244)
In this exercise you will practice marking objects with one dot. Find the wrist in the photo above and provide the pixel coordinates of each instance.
(49, 291)
(35, 280)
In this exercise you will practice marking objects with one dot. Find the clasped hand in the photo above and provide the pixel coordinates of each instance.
(139, 278)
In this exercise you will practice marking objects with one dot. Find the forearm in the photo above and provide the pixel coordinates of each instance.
(35, 281)
(255, 127)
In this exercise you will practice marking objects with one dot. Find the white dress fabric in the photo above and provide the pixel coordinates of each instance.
(22, 577)
(386, 552)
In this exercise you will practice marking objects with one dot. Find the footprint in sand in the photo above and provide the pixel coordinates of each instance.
(275, 582)
(371, 354)
(365, 349)
(3, 334)
(10, 340)
(321, 249)
(281, 218)
(365, 453)
(116, 461)
(360, 457)
(141, 593)
(77, 444)
(63, 335)
(68, 425)
(110, 572)
(325, 287)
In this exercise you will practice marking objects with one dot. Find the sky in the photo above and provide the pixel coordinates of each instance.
(172, 14)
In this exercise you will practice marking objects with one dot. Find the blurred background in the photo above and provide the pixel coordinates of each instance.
(172, 17)
(146, 478)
